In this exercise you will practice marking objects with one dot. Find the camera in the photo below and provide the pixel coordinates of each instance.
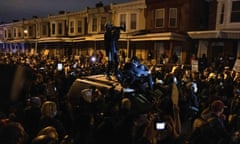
(159, 125)
(59, 66)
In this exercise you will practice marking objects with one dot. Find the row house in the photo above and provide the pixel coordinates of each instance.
(167, 24)
(76, 33)
(133, 15)
(12, 33)
(77, 29)
(222, 38)
(160, 27)
(53, 37)
(18, 36)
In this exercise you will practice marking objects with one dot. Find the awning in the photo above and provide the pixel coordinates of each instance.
(214, 34)
(142, 37)
(78, 39)
(21, 41)
(96, 37)
(159, 37)
(55, 39)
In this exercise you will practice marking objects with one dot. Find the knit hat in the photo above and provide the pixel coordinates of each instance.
(217, 105)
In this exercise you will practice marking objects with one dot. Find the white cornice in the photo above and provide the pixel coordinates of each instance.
(82, 13)
(129, 5)
(214, 34)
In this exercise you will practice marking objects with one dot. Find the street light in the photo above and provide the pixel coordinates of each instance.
(25, 31)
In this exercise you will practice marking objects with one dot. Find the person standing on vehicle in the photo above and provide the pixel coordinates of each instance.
(111, 37)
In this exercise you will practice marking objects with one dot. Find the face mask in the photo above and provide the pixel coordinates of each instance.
(54, 114)
(175, 80)
(87, 95)
(194, 87)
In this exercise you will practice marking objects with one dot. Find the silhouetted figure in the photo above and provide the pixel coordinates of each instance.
(135, 75)
(202, 63)
(150, 56)
(111, 37)
(12, 133)
(174, 58)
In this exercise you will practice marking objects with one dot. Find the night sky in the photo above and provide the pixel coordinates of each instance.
(18, 9)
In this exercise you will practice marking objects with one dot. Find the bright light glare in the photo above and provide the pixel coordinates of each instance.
(93, 59)
(25, 31)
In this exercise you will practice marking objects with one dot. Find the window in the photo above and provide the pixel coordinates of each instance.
(5, 33)
(173, 17)
(103, 22)
(9, 34)
(133, 24)
(79, 24)
(94, 24)
(159, 18)
(60, 31)
(44, 29)
(235, 14)
(30, 29)
(14, 32)
(222, 14)
(122, 19)
(71, 26)
(53, 28)
(19, 34)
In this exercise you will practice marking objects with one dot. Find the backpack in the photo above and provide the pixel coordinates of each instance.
(205, 134)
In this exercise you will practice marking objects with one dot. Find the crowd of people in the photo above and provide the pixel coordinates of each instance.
(181, 103)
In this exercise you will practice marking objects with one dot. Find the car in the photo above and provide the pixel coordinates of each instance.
(112, 91)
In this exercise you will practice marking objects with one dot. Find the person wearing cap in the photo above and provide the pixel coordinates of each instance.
(217, 109)
(210, 127)
(217, 121)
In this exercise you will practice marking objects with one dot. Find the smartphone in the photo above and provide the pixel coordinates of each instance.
(41, 68)
(160, 125)
(59, 66)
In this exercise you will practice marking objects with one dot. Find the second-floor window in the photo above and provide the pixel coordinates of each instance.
(44, 29)
(19, 34)
(5, 33)
(159, 17)
(235, 13)
(14, 32)
(122, 19)
(30, 31)
(133, 19)
(71, 26)
(173, 17)
(94, 24)
(53, 28)
(222, 14)
(79, 26)
(103, 22)
(60, 30)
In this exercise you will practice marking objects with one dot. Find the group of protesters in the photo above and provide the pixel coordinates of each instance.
(46, 116)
